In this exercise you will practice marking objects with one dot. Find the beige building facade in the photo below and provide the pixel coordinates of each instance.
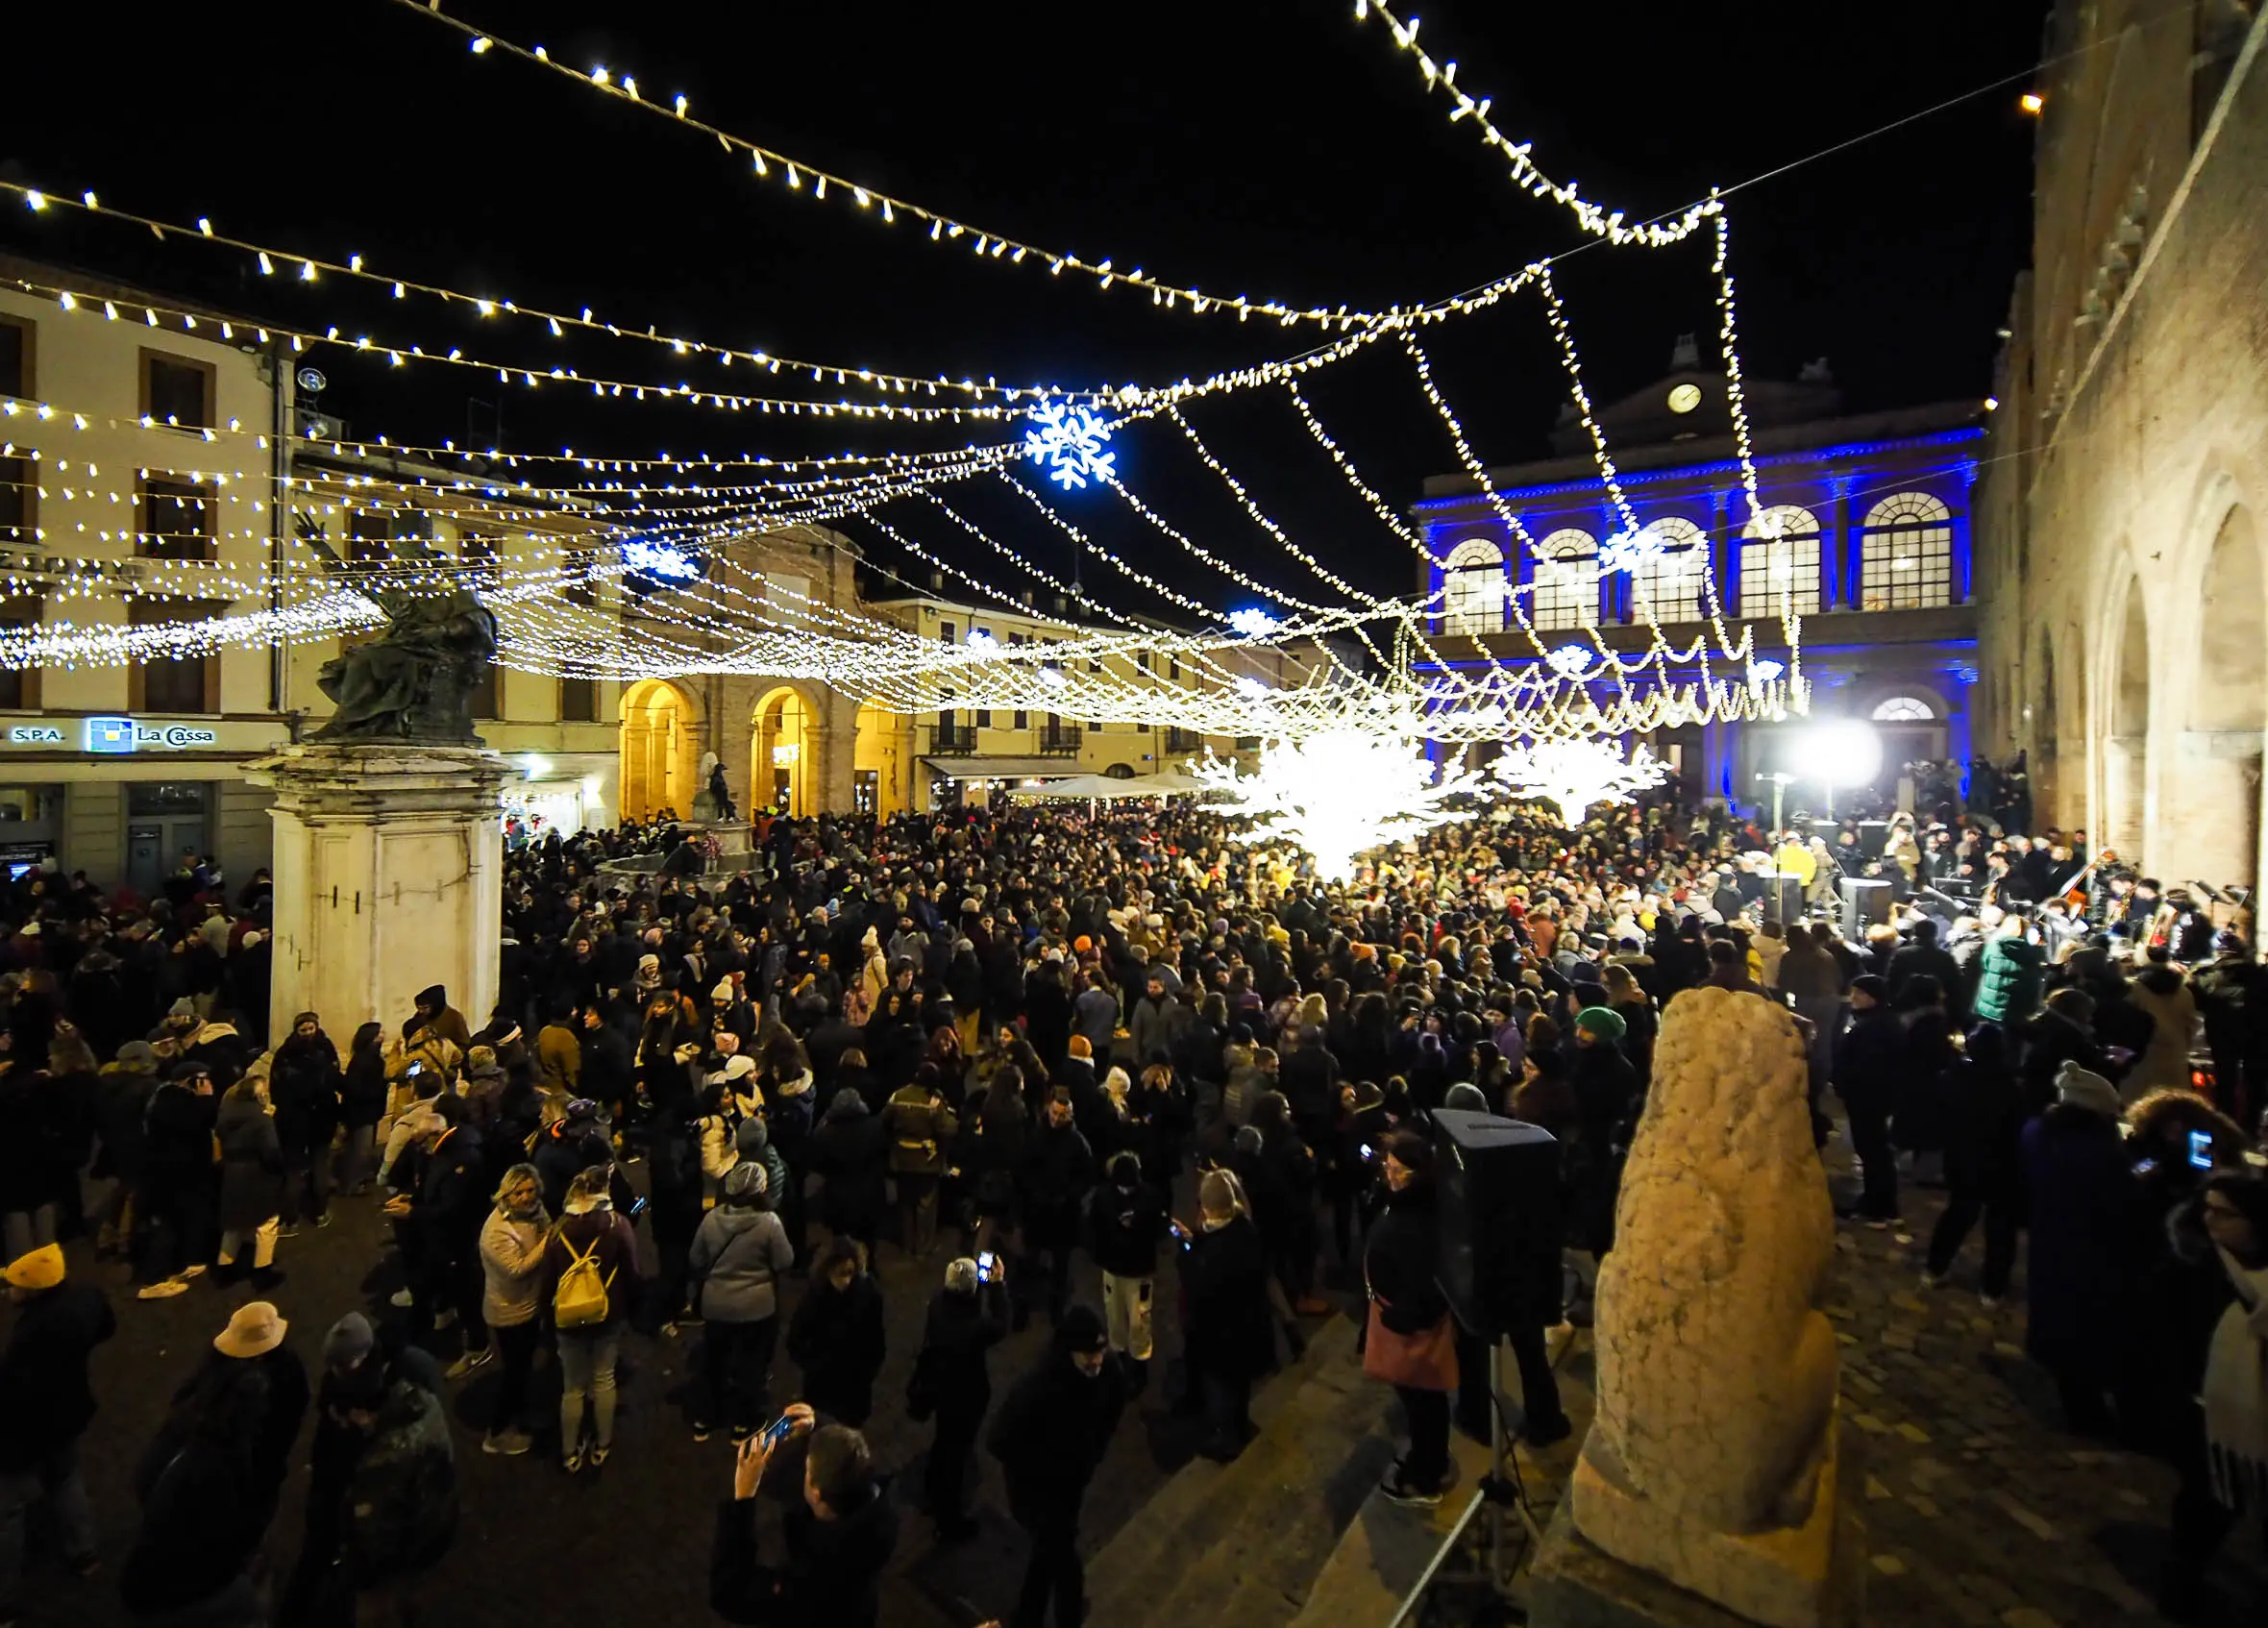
(2123, 511)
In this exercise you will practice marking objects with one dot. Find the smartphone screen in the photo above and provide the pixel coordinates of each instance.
(778, 1431)
(2201, 1150)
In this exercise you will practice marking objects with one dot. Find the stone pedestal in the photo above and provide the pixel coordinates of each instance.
(389, 871)
(1576, 1583)
(733, 836)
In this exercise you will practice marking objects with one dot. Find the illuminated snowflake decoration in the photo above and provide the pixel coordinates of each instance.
(1069, 440)
(1253, 622)
(1575, 774)
(642, 558)
(1340, 794)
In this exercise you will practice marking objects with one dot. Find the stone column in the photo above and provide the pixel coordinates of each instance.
(388, 869)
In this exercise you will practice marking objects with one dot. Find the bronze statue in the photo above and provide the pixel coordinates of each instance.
(415, 681)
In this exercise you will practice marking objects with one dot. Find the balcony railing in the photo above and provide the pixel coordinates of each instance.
(957, 741)
(1061, 740)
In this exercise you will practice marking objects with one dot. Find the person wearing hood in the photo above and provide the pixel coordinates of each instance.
(570, 1144)
(2081, 1280)
(850, 1153)
(953, 1380)
(1056, 1169)
(304, 1085)
(177, 1193)
(2160, 992)
(1228, 1330)
(791, 1114)
(221, 1049)
(251, 1183)
(752, 1140)
(590, 1230)
(441, 1222)
(558, 1059)
(736, 1261)
(839, 1536)
(1127, 1219)
(45, 1406)
(836, 1335)
(432, 1011)
(361, 1104)
(512, 1241)
(1049, 1437)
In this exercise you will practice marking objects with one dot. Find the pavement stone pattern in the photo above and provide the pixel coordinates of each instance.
(1980, 1509)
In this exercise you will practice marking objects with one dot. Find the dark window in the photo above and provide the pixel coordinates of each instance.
(578, 699)
(945, 631)
(19, 686)
(984, 717)
(367, 534)
(177, 391)
(945, 720)
(19, 497)
(488, 693)
(580, 590)
(187, 684)
(16, 357)
(176, 520)
(1021, 720)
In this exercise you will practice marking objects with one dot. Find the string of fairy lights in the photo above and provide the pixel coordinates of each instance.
(568, 533)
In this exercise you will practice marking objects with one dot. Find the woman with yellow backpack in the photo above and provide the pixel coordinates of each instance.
(590, 1285)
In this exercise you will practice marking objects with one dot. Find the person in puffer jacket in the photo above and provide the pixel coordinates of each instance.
(753, 1140)
(736, 1260)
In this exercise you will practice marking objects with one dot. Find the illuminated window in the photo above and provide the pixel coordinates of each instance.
(1564, 592)
(1473, 585)
(1666, 585)
(1779, 563)
(1906, 553)
(1904, 709)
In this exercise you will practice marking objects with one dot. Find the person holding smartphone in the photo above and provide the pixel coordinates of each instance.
(839, 1534)
(952, 1380)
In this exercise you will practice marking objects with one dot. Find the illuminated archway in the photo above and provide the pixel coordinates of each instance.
(881, 754)
(661, 750)
(785, 773)
(2214, 825)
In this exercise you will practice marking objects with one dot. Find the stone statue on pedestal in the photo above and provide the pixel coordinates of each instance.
(415, 681)
(1711, 1463)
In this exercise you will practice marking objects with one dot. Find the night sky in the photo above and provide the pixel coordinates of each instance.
(1278, 148)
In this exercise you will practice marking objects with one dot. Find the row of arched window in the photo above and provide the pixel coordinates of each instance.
(1905, 562)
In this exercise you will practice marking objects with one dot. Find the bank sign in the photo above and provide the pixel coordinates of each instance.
(124, 734)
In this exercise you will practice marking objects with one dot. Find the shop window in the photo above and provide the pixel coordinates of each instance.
(173, 683)
(176, 519)
(177, 391)
(578, 699)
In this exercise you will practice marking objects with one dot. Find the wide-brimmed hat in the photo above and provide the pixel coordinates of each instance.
(38, 1268)
(254, 1331)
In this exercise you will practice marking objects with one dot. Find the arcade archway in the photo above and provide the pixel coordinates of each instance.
(785, 774)
(2126, 746)
(661, 750)
(2214, 832)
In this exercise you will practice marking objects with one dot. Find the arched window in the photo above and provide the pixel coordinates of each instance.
(1565, 593)
(1906, 553)
(1666, 584)
(1779, 563)
(1473, 585)
(1904, 709)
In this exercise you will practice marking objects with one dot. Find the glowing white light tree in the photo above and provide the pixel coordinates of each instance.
(1574, 774)
(1340, 794)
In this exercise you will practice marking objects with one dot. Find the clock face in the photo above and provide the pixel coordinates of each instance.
(1685, 398)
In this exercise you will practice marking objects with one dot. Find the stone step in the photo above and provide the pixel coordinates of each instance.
(1385, 1549)
(1318, 1408)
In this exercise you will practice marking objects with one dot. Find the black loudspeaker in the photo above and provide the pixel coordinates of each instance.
(1498, 1185)
(1865, 902)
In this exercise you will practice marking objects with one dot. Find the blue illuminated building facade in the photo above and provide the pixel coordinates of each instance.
(1873, 548)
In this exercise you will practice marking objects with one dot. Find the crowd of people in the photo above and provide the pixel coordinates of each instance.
(704, 1107)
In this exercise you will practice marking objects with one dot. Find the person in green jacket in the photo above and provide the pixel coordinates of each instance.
(2011, 975)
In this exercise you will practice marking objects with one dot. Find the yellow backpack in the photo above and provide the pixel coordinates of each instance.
(578, 1301)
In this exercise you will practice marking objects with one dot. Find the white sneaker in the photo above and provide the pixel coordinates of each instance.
(402, 1299)
(165, 1290)
(197, 1270)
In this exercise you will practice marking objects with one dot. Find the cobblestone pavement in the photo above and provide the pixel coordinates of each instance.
(632, 1541)
(1979, 1508)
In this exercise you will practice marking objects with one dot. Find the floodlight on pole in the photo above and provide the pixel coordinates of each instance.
(1844, 751)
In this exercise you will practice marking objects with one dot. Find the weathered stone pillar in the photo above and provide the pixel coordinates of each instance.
(388, 868)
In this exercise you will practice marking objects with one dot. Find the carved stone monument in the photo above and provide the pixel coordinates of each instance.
(1712, 1462)
(388, 846)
